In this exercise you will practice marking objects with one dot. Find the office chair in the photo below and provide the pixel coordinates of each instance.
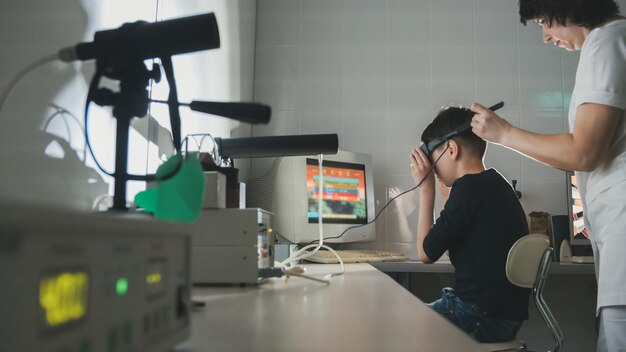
(527, 266)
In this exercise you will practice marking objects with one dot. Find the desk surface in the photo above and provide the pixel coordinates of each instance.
(362, 310)
(446, 267)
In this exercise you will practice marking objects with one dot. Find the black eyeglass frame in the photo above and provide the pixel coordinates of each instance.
(429, 147)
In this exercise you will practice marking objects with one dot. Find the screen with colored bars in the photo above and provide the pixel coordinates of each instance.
(578, 231)
(344, 200)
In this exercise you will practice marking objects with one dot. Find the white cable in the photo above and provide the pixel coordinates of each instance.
(325, 280)
(303, 253)
(320, 216)
(7, 90)
(99, 199)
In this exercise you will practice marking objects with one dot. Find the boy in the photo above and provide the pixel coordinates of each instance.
(479, 223)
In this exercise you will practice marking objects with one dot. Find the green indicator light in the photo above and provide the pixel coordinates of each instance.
(121, 286)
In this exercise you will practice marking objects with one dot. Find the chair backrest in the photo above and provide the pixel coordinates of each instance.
(527, 265)
(524, 258)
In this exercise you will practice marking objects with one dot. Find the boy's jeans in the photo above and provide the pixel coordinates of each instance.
(469, 318)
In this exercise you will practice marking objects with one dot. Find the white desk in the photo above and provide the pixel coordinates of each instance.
(444, 266)
(362, 310)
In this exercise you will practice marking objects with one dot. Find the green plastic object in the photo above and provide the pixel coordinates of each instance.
(177, 198)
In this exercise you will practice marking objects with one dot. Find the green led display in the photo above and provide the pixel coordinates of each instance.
(121, 286)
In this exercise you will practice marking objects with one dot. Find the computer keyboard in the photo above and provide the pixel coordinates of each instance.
(357, 256)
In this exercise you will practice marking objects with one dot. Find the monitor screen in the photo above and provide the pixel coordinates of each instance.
(343, 197)
(290, 187)
(578, 232)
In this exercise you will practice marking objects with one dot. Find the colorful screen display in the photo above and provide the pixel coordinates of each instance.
(63, 297)
(343, 197)
(578, 230)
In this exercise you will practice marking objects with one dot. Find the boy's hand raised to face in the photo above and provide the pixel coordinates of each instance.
(420, 168)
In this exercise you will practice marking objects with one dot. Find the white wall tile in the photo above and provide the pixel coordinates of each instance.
(321, 64)
(278, 22)
(506, 161)
(404, 129)
(381, 222)
(364, 131)
(283, 122)
(541, 85)
(453, 76)
(409, 22)
(277, 77)
(570, 64)
(497, 76)
(529, 35)
(322, 22)
(365, 22)
(453, 23)
(365, 78)
(316, 121)
(321, 70)
(545, 194)
(496, 23)
(409, 77)
(545, 122)
(402, 213)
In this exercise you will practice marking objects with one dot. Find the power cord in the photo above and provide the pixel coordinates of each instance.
(31, 67)
(62, 112)
(295, 271)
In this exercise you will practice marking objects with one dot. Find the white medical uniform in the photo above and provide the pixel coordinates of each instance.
(601, 79)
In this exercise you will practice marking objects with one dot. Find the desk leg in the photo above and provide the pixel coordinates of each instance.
(404, 279)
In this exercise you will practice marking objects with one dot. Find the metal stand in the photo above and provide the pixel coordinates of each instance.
(131, 101)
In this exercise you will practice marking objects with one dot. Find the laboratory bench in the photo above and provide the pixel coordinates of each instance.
(361, 310)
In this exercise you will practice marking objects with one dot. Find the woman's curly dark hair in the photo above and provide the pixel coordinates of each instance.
(585, 13)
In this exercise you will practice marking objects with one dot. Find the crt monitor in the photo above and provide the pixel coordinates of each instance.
(578, 234)
(291, 187)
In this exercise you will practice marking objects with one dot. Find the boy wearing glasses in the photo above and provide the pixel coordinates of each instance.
(478, 224)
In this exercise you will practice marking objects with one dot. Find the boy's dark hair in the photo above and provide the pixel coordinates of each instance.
(585, 13)
(450, 119)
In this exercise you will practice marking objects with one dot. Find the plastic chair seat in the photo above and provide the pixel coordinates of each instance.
(527, 266)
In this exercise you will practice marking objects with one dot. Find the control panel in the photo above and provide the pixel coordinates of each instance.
(229, 246)
(79, 282)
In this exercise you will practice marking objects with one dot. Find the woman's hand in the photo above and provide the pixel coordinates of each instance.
(487, 125)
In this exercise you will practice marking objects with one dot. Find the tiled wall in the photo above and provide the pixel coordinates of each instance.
(376, 73)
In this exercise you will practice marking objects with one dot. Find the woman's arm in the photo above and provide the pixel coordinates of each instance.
(583, 150)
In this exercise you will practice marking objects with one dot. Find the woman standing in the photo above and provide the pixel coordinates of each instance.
(596, 143)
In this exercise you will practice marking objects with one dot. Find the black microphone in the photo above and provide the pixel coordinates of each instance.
(252, 113)
(145, 40)
(272, 146)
